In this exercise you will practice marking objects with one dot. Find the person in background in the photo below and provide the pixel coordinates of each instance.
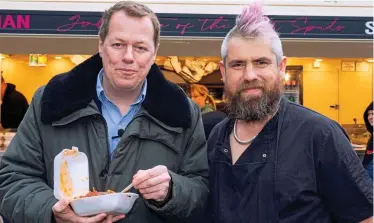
(115, 107)
(210, 116)
(200, 95)
(273, 160)
(14, 105)
(368, 158)
(210, 120)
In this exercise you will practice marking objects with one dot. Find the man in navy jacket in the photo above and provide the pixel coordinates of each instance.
(273, 160)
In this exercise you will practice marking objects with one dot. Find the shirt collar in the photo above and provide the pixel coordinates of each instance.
(101, 93)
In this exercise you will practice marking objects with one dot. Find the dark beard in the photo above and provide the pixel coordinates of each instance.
(254, 109)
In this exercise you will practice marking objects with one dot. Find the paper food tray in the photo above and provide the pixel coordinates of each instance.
(71, 180)
(115, 204)
(71, 175)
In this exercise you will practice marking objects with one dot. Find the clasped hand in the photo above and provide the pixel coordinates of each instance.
(153, 183)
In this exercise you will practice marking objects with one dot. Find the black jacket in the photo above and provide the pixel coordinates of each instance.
(300, 168)
(13, 108)
(211, 119)
(369, 147)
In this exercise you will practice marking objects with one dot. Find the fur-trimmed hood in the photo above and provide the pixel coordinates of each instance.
(74, 90)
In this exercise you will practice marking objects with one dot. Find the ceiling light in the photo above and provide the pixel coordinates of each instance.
(370, 60)
(318, 60)
(58, 58)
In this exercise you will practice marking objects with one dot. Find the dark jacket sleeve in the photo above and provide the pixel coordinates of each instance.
(189, 190)
(16, 109)
(21, 109)
(342, 180)
(24, 195)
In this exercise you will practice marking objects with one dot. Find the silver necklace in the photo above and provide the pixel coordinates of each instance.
(242, 141)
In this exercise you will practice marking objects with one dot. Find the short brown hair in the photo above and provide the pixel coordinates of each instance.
(131, 9)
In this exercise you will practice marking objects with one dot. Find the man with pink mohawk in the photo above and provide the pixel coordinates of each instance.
(272, 160)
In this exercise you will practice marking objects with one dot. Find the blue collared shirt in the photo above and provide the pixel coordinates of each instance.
(112, 114)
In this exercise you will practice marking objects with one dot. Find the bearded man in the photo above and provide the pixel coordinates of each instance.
(272, 160)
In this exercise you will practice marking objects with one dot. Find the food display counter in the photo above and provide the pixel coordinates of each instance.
(5, 137)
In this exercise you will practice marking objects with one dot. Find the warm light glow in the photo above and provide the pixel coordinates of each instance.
(58, 58)
(370, 60)
(287, 76)
(2, 56)
(77, 59)
(318, 60)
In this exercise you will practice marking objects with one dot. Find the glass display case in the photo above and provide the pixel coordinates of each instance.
(293, 84)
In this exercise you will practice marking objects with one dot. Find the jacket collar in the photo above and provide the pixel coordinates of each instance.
(69, 92)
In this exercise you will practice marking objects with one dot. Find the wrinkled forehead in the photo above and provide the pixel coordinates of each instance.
(248, 49)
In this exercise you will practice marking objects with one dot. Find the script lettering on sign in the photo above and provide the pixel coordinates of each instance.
(76, 21)
(187, 25)
(302, 25)
(195, 24)
(214, 24)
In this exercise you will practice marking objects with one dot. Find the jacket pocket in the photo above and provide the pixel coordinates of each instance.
(155, 152)
(141, 153)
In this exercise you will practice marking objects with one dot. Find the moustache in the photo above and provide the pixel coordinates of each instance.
(250, 85)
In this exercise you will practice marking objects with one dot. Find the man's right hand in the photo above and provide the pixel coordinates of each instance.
(64, 214)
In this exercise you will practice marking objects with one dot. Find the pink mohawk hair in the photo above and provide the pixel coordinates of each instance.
(253, 24)
(252, 21)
